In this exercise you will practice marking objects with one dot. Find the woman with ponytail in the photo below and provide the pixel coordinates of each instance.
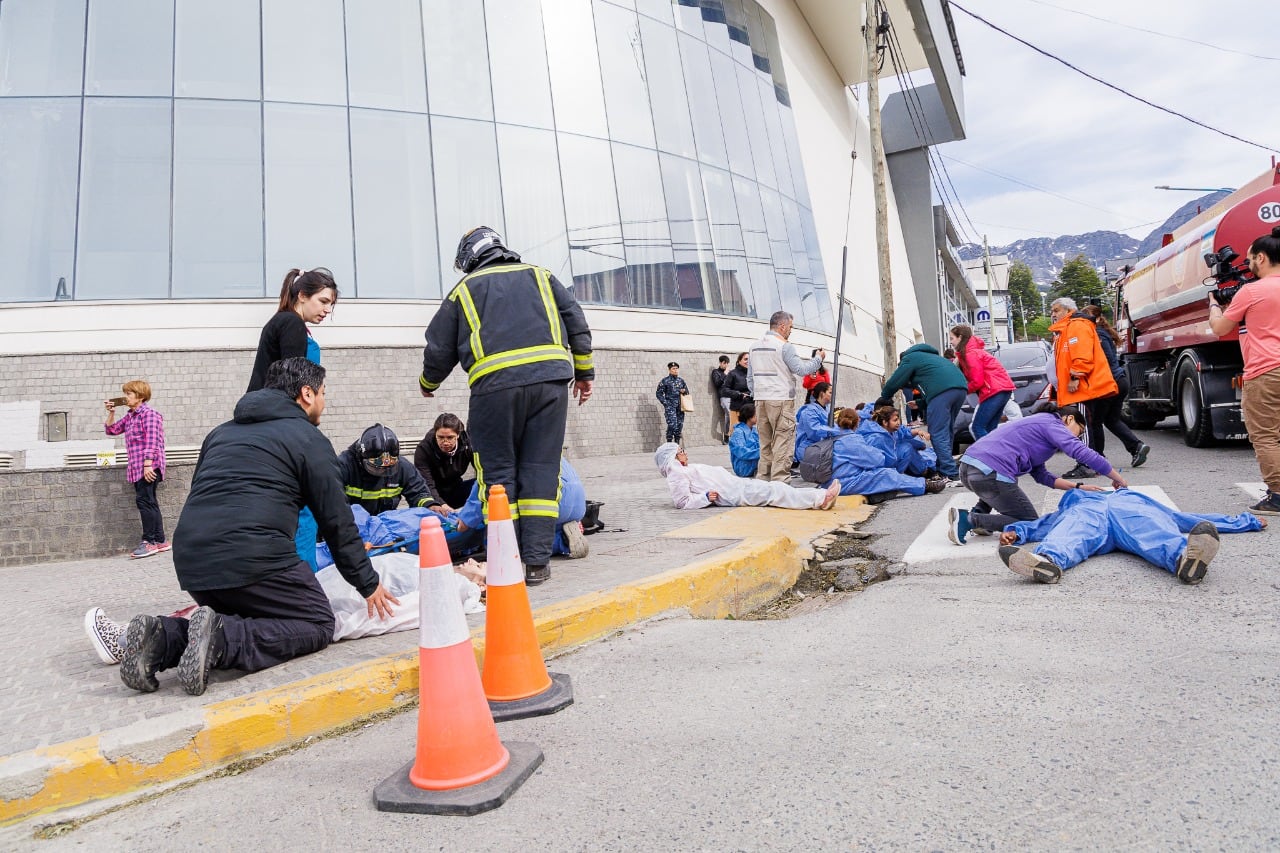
(306, 297)
(985, 375)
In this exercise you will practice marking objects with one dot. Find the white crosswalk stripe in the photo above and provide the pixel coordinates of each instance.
(1256, 491)
(933, 544)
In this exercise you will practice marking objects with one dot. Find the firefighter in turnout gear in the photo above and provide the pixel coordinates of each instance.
(521, 337)
(375, 476)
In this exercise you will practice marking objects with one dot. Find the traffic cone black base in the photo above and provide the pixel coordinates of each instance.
(557, 697)
(398, 794)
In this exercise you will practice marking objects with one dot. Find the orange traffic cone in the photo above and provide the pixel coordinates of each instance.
(461, 767)
(515, 677)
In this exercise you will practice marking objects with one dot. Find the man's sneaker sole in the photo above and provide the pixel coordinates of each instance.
(1202, 547)
(203, 641)
(575, 540)
(143, 633)
(1029, 564)
(953, 527)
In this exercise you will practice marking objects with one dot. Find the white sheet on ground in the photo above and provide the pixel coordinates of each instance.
(399, 574)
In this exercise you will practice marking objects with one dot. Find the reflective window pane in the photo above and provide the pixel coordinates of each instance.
(714, 25)
(777, 147)
(646, 234)
(384, 55)
(729, 103)
(395, 220)
(816, 269)
(755, 238)
(784, 270)
(736, 21)
(667, 97)
(217, 199)
(124, 200)
(533, 203)
(757, 132)
(39, 149)
(304, 52)
(41, 47)
(793, 155)
(518, 60)
(308, 192)
(130, 48)
(457, 59)
(702, 102)
(218, 53)
(595, 229)
(622, 64)
(576, 89)
(733, 278)
(811, 314)
(469, 196)
(660, 9)
(690, 232)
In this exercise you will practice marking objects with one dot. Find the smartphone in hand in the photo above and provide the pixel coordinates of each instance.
(119, 401)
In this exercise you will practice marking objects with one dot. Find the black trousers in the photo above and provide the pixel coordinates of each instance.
(266, 623)
(517, 435)
(1105, 414)
(144, 495)
(1007, 499)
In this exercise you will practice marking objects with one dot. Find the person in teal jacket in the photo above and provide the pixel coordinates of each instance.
(944, 388)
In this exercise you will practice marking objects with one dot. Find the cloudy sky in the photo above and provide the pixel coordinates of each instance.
(1032, 119)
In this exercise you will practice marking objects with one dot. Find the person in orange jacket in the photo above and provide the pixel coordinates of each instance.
(1081, 365)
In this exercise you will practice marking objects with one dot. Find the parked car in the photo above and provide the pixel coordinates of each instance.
(1030, 366)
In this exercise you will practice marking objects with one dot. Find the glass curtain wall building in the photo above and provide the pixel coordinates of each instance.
(643, 150)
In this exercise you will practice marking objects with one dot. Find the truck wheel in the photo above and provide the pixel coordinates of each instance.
(1193, 417)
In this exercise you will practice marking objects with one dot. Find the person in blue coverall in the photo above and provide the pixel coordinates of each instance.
(884, 430)
(864, 469)
(744, 443)
(811, 420)
(569, 540)
(1092, 522)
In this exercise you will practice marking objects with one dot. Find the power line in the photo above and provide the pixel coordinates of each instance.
(1156, 32)
(1032, 186)
(1113, 86)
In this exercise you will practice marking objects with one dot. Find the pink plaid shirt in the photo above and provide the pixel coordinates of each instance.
(143, 430)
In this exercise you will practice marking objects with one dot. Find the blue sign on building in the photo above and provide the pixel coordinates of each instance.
(983, 316)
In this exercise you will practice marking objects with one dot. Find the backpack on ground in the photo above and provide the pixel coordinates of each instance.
(817, 462)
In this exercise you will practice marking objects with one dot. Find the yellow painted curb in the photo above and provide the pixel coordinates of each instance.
(164, 749)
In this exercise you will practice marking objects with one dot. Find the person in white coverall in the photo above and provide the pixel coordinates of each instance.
(694, 486)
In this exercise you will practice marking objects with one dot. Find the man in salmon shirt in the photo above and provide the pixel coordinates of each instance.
(1081, 364)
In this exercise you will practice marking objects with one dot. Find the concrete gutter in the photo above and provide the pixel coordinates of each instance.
(165, 749)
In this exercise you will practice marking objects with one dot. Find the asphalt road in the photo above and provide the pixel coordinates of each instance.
(956, 706)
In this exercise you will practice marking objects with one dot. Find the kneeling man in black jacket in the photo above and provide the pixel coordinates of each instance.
(233, 549)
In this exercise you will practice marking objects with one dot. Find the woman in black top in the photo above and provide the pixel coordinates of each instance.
(735, 388)
(442, 457)
(306, 296)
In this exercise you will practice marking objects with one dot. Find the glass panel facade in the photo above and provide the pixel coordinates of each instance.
(643, 150)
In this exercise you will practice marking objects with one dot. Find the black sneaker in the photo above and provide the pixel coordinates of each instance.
(1080, 472)
(143, 652)
(205, 645)
(1140, 455)
(934, 486)
(1269, 505)
(1030, 564)
(534, 575)
(1202, 547)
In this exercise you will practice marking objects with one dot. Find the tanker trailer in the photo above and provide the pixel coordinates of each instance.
(1174, 362)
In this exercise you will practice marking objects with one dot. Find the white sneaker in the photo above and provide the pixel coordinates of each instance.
(107, 636)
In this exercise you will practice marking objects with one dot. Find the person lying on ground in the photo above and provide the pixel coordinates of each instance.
(233, 549)
(910, 453)
(570, 541)
(991, 466)
(744, 443)
(694, 486)
(1098, 522)
(864, 469)
(376, 476)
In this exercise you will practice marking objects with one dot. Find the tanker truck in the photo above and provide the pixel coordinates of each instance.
(1175, 364)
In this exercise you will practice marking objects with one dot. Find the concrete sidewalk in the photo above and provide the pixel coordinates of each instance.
(74, 733)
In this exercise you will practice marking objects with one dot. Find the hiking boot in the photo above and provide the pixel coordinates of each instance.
(534, 575)
(1080, 472)
(1140, 455)
(143, 651)
(1030, 564)
(1269, 505)
(958, 525)
(575, 540)
(144, 549)
(205, 645)
(1202, 547)
(107, 636)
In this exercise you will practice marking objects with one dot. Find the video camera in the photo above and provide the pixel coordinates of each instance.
(1223, 270)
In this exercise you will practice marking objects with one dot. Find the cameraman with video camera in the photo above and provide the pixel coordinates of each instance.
(1256, 307)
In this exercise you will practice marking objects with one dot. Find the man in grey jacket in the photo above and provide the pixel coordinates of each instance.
(771, 376)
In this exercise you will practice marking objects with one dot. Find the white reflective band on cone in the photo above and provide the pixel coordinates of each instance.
(504, 568)
(443, 623)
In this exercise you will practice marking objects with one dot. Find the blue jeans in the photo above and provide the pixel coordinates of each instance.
(940, 415)
(987, 417)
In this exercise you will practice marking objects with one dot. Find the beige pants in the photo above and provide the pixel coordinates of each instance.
(776, 423)
(1261, 403)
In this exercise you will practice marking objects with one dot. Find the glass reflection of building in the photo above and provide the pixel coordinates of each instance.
(643, 150)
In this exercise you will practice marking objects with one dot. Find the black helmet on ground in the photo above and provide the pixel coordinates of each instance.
(379, 449)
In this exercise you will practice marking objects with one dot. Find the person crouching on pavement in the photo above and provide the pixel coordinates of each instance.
(991, 466)
(695, 486)
(1087, 523)
(376, 476)
(260, 605)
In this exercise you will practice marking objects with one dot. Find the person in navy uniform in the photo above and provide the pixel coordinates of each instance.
(669, 391)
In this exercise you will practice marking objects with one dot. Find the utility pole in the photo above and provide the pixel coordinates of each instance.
(877, 24)
(991, 302)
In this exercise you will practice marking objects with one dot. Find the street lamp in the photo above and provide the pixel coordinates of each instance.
(1197, 189)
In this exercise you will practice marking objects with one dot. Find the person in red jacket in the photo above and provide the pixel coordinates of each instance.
(812, 379)
(985, 375)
